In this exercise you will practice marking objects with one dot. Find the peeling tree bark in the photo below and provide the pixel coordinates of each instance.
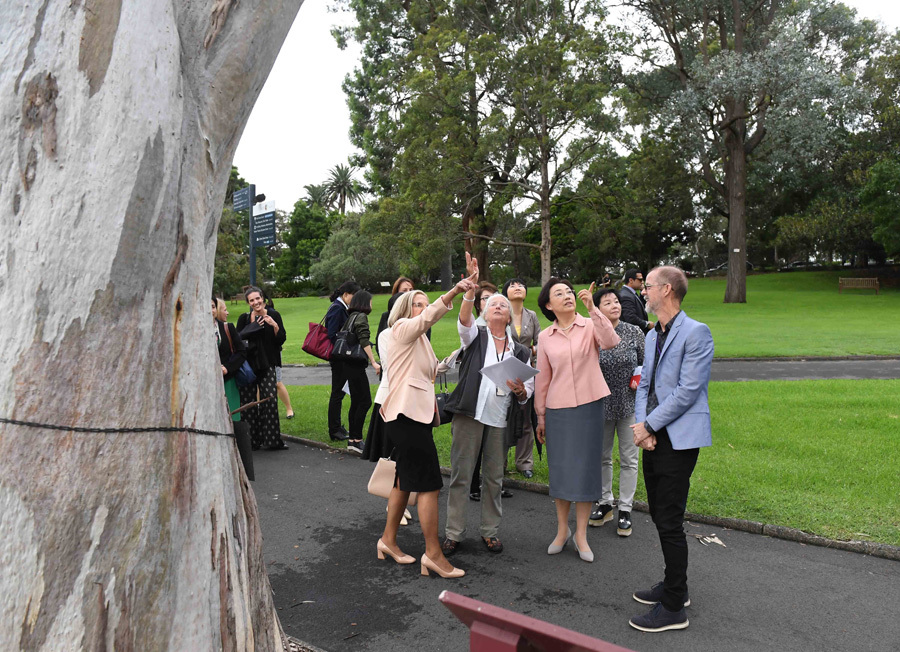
(118, 125)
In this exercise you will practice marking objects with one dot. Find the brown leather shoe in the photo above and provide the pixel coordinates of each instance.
(493, 544)
(449, 546)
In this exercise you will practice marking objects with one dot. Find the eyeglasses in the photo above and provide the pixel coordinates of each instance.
(655, 285)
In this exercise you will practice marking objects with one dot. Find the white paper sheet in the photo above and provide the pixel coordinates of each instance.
(509, 369)
(448, 363)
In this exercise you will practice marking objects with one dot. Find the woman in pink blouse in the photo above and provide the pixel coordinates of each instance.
(568, 399)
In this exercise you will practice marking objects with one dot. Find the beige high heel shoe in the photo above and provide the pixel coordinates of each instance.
(406, 518)
(428, 565)
(400, 559)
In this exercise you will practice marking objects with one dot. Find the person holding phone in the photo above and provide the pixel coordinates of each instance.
(264, 333)
(618, 365)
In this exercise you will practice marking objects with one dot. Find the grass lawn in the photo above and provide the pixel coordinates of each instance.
(821, 455)
(788, 314)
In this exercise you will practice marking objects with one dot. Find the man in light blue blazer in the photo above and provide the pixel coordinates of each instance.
(672, 415)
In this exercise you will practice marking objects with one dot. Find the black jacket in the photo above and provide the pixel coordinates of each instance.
(263, 345)
(231, 360)
(464, 398)
(335, 318)
(633, 311)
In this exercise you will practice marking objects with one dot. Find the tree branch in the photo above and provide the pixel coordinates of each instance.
(466, 235)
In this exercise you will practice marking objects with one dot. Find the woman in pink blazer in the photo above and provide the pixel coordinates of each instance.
(410, 413)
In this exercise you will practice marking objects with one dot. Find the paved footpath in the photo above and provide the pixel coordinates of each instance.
(723, 369)
(320, 527)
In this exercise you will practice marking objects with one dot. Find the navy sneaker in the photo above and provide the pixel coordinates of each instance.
(660, 619)
(654, 595)
(601, 514)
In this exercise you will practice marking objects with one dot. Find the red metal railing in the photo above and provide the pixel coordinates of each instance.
(493, 629)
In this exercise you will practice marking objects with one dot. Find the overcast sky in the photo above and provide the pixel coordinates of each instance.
(299, 127)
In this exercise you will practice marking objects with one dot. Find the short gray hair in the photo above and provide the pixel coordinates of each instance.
(497, 296)
(674, 277)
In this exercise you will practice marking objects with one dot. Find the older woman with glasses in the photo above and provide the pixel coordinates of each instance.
(483, 415)
(569, 392)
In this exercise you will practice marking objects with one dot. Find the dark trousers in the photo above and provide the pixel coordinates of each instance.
(360, 398)
(338, 378)
(667, 476)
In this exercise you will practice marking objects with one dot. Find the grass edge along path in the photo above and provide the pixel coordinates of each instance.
(818, 456)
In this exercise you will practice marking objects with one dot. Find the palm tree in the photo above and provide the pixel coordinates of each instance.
(342, 188)
(317, 194)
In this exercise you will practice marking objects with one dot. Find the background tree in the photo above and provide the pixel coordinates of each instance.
(119, 125)
(348, 255)
(343, 189)
(307, 231)
(489, 103)
(724, 76)
(881, 196)
(317, 195)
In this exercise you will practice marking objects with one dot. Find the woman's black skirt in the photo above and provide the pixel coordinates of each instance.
(418, 468)
(377, 443)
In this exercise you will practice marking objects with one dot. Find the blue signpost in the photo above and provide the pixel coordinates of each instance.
(241, 199)
(262, 227)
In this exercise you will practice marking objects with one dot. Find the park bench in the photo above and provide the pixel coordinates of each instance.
(493, 629)
(858, 283)
(240, 295)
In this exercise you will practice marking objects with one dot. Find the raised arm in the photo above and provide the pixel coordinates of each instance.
(408, 330)
(604, 334)
(465, 310)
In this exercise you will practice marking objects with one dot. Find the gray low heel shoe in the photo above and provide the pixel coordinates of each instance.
(587, 555)
(555, 550)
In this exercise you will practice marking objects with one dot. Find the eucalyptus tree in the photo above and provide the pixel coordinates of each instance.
(492, 103)
(725, 77)
(557, 71)
(118, 125)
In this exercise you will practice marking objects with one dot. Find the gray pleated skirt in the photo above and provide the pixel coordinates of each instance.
(575, 451)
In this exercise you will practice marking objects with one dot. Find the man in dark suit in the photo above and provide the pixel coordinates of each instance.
(633, 311)
(672, 425)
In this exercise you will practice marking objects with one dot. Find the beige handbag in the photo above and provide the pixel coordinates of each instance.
(382, 480)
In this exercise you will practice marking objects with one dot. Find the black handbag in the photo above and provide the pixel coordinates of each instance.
(442, 398)
(346, 345)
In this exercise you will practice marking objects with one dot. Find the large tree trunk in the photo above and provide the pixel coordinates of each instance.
(120, 119)
(546, 240)
(473, 221)
(736, 186)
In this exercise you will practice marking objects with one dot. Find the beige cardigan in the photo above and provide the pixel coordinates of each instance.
(412, 367)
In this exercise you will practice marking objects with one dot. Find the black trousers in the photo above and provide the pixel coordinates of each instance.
(360, 398)
(667, 476)
(338, 378)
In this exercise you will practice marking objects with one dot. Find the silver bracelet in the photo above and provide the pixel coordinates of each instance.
(469, 300)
